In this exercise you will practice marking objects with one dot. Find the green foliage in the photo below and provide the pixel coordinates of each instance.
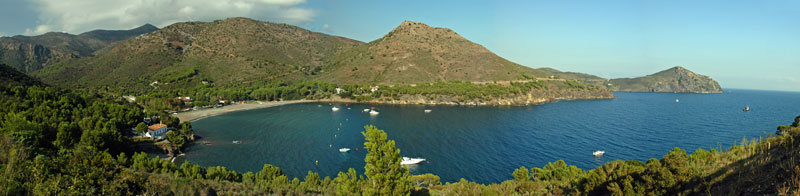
(348, 183)
(385, 175)
(141, 127)
(521, 175)
(176, 139)
(425, 180)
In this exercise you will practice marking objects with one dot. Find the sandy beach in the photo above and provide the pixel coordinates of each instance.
(199, 114)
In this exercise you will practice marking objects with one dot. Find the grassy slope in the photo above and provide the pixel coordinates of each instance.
(229, 52)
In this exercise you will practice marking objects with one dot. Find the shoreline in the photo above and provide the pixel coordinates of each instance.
(200, 114)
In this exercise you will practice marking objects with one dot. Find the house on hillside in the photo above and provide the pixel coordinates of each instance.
(157, 131)
(373, 88)
(339, 91)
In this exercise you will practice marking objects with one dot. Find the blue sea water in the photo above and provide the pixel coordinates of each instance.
(486, 144)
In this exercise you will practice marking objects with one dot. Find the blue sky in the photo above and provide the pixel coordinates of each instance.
(741, 44)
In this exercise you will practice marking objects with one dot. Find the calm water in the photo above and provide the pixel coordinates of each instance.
(485, 144)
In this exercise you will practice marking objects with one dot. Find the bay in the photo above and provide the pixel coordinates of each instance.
(486, 144)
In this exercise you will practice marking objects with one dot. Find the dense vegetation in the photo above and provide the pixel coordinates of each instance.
(59, 142)
(160, 100)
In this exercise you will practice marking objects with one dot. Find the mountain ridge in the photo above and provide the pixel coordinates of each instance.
(31, 53)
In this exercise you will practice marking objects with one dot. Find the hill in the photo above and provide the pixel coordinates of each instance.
(586, 78)
(11, 77)
(230, 52)
(119, 35)
(417, 53)
(676, 79)
(31, 53)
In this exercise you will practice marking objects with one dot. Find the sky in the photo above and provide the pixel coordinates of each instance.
(741, 44)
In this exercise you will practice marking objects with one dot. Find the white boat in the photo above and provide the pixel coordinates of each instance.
(366, 110)
(334, 108)
(428, 111)
(599, 153)
(236, 142)
(373, 112)
(411, 161)
(344, 149)
(676, 100)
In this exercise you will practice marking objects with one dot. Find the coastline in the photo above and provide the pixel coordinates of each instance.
(200, 114)
(529, 99)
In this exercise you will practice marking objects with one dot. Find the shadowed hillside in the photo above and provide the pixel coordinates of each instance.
(31, 53)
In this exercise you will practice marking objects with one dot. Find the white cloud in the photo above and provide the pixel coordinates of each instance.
(41, 29)
(77, 16)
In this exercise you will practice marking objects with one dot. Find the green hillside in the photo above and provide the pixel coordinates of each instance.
(231, 52)
(11, 77)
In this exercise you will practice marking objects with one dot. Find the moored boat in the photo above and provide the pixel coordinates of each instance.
(373, 112)
(428, 111)
(344, 149)
(599, 153)
(334, 108)
(411, 161)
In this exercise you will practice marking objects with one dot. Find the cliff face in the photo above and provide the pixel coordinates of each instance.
(676, 79)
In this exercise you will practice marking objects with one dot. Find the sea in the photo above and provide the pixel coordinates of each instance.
(485, 144)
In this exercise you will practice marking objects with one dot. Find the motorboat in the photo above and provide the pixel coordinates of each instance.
(676, 100)
(373, 112)
(411, 161)
(428, 111)
(746, 109)
(344, 149)
(599, 153)
(366, 110)
(236, 142)
(334, 108)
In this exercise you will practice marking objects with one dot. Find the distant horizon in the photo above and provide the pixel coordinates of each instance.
(740, 44)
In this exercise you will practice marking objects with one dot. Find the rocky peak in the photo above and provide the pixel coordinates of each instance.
(417, 30)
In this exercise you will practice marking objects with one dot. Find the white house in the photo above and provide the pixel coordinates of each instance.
(373, 88)
(156, 131)
(339, 91)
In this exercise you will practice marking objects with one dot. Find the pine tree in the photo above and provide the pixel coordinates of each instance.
(385, 175)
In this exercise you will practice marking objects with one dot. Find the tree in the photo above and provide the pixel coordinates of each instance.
(347, 183)
(141, 127)
(176, 139)
(385, 175)
(796, 121)
(521, 174)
